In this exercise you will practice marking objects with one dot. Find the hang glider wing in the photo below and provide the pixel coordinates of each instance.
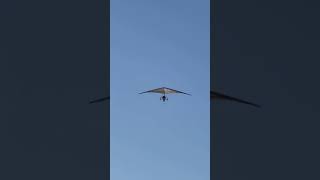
(213, 95)
(216, 95)
(164, 90)
(99, 100)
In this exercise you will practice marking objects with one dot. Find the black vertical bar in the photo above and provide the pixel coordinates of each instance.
(107, 122)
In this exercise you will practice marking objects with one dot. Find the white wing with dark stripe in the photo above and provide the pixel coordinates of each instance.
(164, 90)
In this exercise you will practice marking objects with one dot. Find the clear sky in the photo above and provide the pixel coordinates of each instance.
(155, 44)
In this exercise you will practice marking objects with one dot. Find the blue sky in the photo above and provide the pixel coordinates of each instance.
(155, 44)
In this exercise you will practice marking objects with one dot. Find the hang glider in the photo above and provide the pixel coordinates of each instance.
(213, 95)
(164, 91)
(216, 95)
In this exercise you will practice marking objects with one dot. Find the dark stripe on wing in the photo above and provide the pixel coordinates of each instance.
(215, 95)
(99, 100)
